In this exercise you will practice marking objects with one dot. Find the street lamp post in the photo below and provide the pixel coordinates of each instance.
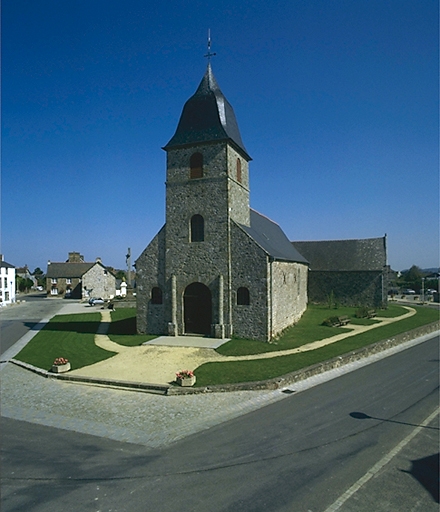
(423, 290)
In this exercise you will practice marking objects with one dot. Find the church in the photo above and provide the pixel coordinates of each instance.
(217, 267)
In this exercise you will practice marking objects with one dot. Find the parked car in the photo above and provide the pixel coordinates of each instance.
(408, 291)
(95, 300)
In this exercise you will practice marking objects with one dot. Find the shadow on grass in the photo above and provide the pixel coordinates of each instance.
(79, 327)
(68, 336)
(123, 326)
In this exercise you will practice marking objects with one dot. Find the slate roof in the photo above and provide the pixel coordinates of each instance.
(207, 117)
(344, 255)
(268, 235)
(57, 270)
(4, 264)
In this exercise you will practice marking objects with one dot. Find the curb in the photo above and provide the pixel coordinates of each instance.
(316, 369)
(135, 386)
(270, 384)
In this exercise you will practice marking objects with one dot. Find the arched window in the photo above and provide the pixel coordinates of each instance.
(196, 166)
(243, 297)
(156, 295)
(197, 228)
(238, 170)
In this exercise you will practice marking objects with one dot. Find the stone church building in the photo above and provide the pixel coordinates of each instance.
(217, 267)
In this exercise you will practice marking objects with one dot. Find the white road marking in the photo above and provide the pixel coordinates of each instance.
(379, 465)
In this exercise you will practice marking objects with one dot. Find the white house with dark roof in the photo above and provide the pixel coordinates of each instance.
(7, 282)
(217, 267)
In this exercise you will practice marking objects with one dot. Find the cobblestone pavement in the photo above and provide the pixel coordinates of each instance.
(132, 416)
(135, 417)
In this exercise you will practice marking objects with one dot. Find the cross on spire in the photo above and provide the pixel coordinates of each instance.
(209, 54)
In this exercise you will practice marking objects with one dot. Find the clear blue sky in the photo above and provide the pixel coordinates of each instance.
(336, 100)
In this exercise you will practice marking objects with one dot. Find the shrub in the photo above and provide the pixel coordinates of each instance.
(362, 312)
(331, 321)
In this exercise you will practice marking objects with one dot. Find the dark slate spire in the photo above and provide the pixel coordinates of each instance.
(207, 117)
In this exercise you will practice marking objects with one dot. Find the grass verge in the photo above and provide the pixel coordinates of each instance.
(122, 330)
(69, 336)
(308, 329)
(255, 370)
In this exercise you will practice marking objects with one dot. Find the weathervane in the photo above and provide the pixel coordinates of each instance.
(209, 54)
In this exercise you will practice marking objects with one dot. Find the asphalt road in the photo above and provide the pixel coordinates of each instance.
(366, 441)
(16, 320)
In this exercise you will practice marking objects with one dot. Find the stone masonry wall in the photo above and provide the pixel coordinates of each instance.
(100, 282)
(209, 196)
(249, 270)
(289, 294)
(150, 272)
(349, 288)
(238, 190)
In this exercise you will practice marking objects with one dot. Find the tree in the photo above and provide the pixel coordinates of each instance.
(23, 284)
(39, 275)
(412, 278)
(120, 274)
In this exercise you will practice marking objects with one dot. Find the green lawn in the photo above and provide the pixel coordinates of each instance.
(248, 371)
(308, 329)
(68, 336)
(72, 337)
(123, 328)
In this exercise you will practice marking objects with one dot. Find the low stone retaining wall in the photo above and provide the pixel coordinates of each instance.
(271, 384)
(122, 304)
(316, 369)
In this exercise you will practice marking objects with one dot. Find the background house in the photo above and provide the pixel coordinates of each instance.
(7, 282)
(77, 279)
(354, 272)
(24, 273)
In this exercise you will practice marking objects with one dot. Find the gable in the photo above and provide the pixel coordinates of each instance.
(95, 267)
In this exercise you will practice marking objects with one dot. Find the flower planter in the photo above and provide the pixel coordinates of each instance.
(186, 381)
(60, 368)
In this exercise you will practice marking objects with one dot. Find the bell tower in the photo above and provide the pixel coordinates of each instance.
(207, 186)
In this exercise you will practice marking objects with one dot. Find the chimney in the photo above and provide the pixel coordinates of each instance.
(75, 257)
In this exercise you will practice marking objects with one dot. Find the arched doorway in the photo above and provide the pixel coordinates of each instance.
(197, 305)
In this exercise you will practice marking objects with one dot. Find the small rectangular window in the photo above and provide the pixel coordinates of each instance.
(196, 166)
(197, 228)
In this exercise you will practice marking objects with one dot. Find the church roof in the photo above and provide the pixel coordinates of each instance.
(345, 255)
(268, 235)
(207, 117)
